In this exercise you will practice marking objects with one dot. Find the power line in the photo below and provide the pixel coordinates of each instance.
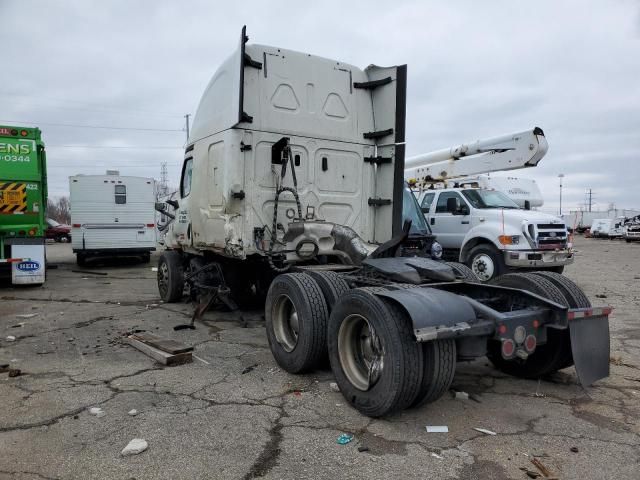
(144, 147)
(100, 107)
(93, 126)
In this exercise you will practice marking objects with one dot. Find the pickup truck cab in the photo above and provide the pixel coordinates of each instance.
(487, 231)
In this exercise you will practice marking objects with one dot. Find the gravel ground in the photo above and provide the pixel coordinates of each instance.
(208, 419)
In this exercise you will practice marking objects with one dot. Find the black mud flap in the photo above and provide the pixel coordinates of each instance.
(590, 348)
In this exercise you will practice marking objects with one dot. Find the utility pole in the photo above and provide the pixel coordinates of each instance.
(186, 118)
(561, 176)
(590, 197)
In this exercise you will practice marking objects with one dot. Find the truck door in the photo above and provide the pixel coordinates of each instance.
(182, 226)
(449, 227)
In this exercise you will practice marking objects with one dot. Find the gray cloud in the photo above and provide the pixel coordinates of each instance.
(476, 69)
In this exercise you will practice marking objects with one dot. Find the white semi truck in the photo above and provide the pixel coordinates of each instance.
(292, 184)
(482, 227)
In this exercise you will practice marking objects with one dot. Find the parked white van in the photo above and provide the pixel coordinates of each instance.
(112, 215)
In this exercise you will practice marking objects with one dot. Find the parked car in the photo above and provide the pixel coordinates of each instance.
(58, 231)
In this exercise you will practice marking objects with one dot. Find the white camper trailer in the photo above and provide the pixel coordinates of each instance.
(112, 215)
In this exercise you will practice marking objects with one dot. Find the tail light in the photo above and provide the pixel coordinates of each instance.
(32, 232)
(530, 343)
(151, 225)
(76, 225)
(508, 348)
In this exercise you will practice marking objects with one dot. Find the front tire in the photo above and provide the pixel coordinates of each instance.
(170, 276)
(374, 355)
(296, 320)
(486, 262)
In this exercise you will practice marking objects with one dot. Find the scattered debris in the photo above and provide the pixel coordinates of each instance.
(538, 394)
(15, 372)
(344, 439)
(165, 351)
(601, 295)
(362, 448)
(484, 430)
(97, 412)
(250, 368)
(437, 429)
(435, 455)
(475, 398)
(460, 395)
(18, 325)
(11, 338)
(135, 446)
(200, 359)
(90, 272)
(154, 269)
(530, 473)
(574, 449)
(334, 386)
(26, 315)
(133, 412)
(544, 470)
(297, 393)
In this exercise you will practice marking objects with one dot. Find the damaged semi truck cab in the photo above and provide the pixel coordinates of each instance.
(292, 185)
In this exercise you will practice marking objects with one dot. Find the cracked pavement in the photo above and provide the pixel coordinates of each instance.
(208, 419)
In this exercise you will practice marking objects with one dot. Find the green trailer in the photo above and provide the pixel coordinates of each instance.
(23, 201)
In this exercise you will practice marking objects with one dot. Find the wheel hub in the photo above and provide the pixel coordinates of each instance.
(286, 324)
(483, 267)
(361, 352)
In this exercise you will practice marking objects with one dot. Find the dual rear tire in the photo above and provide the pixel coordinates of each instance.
(377, 363)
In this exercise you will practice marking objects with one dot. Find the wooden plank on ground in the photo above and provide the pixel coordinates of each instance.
(164, 344)
(158, 355)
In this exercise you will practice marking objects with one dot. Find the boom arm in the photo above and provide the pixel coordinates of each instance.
(507, 152)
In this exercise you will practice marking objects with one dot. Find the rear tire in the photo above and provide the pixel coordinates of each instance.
(486, 262)
(170, 276)
(463, 272)
(296, 321)
(547, 358)
(333, 286)
(81, 260)
(374, 355)
(438, 370)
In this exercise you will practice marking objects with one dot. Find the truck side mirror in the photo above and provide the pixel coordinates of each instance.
(425, 210)
(160, 206)
(452, 205)
(527, 205)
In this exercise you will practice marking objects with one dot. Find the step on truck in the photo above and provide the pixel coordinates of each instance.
(292, 187)
(23, 200)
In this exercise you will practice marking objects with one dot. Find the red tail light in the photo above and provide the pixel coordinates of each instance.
(151, 225)
(530, 343)
(508, 348)
(76, 225)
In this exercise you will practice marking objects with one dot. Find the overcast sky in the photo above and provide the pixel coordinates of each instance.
(476, 70)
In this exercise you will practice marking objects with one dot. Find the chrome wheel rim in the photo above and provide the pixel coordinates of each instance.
(483, 267)
(285, 323)
(360, 351)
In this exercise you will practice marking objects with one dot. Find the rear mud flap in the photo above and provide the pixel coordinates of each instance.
(590, 348)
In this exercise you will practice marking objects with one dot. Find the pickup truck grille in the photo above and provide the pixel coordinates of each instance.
(551, 235)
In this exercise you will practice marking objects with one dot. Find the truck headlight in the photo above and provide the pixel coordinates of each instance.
(436, 251)
(509, 239)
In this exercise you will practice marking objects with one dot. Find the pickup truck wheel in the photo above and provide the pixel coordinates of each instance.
(486, 262)
(374, 355)
(333, 286)
(170, 276)
(547, 358)
(439, 369)
(463, 272)
(296, 320)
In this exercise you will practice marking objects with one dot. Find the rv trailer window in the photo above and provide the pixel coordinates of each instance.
(186, 177)
(121, 194)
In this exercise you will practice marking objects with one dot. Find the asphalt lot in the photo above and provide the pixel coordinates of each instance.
(208, 419)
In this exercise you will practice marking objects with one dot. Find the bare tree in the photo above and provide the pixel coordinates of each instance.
(59, 209)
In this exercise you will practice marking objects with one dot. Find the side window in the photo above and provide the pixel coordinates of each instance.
(121, 194)
(427, 201)
(441, 206)
(185, 184)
